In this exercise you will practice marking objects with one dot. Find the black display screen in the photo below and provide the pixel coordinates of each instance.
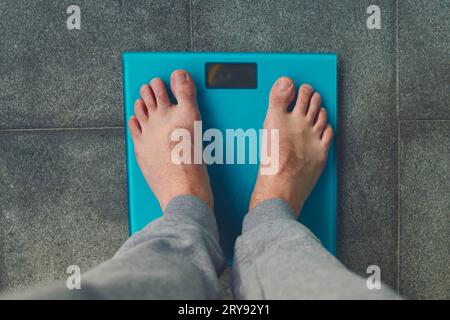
(231, 75)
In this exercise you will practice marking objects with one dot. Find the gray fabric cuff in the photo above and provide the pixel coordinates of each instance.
(272, 209)
(192, 210)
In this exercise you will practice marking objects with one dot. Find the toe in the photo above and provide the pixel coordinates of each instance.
(183, 87)
(148, 96)
(140, 110)
(159, 89)
(327, 136)
(281, 94)
(304, 95)
(321, 121)
(135, 128)
(314, 106)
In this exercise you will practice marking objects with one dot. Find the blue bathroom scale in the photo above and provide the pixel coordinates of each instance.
(233, 91)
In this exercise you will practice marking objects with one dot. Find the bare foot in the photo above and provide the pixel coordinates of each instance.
(305, 137)
(151, 128)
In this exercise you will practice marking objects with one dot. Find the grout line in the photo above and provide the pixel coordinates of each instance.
(60, 129)
(190, 25)
(122, 127)
(424, 120)
(397, 92)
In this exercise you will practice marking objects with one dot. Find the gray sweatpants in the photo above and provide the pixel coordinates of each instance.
(178, 256)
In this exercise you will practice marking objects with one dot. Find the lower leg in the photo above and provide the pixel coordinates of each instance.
(276, 257)
(177, 256)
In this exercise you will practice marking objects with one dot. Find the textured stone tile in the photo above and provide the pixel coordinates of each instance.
(424, 59)
(225, 284)
(425, 209)
(367, 137)
(53, 77)
(62, 202)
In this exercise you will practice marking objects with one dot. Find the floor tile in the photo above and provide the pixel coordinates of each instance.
(63, 202)
(54, 77)
(225, 284)
(425, 209)
(423, 59)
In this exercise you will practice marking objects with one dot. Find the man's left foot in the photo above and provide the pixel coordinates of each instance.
(304, 139)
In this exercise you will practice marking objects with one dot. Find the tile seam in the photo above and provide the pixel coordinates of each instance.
(61, 129)
(191, 33)
(397, 89)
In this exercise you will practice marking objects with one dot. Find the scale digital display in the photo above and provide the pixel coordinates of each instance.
(231, 75)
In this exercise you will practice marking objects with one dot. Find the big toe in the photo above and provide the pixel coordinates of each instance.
(183, 88)
(281, 94)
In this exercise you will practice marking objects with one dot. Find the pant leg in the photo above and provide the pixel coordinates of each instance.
(277, 257)
(175, 257)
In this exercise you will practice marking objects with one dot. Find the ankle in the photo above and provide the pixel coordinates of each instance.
(189, 189)
(276, 188)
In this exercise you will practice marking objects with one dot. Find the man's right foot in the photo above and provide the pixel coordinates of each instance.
(304, 139)
(151, 129)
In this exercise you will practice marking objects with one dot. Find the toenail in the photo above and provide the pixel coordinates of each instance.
(284, 83)
(307, 87)
(153, 80)
(180, 77)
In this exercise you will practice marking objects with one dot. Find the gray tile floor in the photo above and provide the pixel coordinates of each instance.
(62, 167)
